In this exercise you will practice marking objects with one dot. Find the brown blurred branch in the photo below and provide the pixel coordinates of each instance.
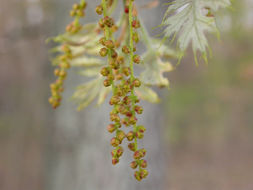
(150, 5)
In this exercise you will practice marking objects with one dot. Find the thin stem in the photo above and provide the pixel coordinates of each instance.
(131, 38)
(131, 46)
(107, 36)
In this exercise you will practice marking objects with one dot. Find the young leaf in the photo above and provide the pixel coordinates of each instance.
(154, 68)
(190, 19)
(147, 94)
(87, 92)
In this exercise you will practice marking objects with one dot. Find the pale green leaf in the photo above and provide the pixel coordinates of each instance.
(103, 94)
(154, 68)
(90, 72)
(189, 20)
(147, 94)
(86, 93)
(86, 62)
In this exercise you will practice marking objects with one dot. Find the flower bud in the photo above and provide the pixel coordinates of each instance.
(143, 151)
(109, 44)
(137, 59)
(132, 120)
(125, 121)
(115, 118)
(51, 100)
(105, 71)
(120, 151)
(83, 4)
(114, 153)
(110, 77)
(138, 109)
(53, 86)
(103, 52)
(119, 92)
(137, 154)
(109, 22)
(59, 82)
(143, 174)
(137, 100)
(126, 100)
(115, 161)
(65, 65)
(126, 9)
(114, 64)
(122, 109)
(63, 74)
(114, 54)
(114, 100)
(139, 135)
(102, 40)
(101, 23)
(115, 142)
(134, 164)
(126, 71)
(126, 88)
(75, 6)
(131, 146)
(141, 128)
(120, 60)
(125, 49)
(111, 128)
(56, 104)
(129, 114)
(137, 175)
(72, 13)
(137, 83)
(130, 135)
(119, 77)
(136, 24)
(99, 10)
(143, 163)
(107, 83)
(80, 13)
(57, 72)
(120, 135)
(55, 94)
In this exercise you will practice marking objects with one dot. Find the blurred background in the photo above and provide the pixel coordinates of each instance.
(200, 137)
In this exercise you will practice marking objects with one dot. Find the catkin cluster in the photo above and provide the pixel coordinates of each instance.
(120, 77)
(118, 73)
(61, 73)
(76, 12)
(63, 60)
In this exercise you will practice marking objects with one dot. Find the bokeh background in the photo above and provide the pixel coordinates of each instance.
(200, 137)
